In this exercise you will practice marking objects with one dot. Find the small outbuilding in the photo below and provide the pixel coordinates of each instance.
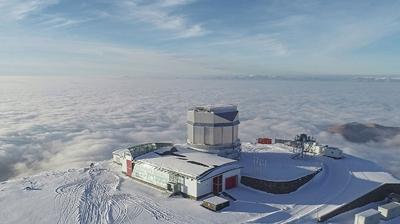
(390, 210)
(370, 216)
(264, 141)
(324, 150)
(333, 152)
(215, 203)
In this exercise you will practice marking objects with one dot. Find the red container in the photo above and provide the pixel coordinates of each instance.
(264, 141)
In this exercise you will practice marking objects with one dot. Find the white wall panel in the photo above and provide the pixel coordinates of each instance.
(205, 187)
(227, 134)
(198, 135)
(190, 133)
(209, 135)
(190, 116)
(190, 187)
(203, 117)
(218, 135)
(235, 132)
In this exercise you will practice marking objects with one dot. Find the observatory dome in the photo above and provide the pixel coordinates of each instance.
(214, 129)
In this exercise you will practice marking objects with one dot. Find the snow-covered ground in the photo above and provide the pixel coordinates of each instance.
(102, 194)
(339, 182)
(274, 162)
(98, 195)
(347, 217)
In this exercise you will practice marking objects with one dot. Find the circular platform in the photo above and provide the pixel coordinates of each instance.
(275, 163)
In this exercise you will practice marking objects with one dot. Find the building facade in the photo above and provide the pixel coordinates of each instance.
(179, 169)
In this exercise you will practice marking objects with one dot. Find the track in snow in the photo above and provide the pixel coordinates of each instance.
(94, 199)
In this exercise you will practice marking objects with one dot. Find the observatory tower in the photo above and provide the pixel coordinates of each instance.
(214, 129)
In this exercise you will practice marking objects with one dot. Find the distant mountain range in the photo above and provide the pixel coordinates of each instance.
(357, 78)
(361, 133)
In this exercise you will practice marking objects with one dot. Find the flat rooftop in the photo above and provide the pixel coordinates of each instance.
(216, 108)
(390, 205)
(186, 161)
(215, 200)
(369, 212)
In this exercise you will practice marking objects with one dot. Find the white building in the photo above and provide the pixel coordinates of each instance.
(390, 210)
(370, 216)
(178, 168)
(333, 152)
(214, 129)
(324, 150)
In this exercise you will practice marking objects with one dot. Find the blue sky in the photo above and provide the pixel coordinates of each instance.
(203, 37)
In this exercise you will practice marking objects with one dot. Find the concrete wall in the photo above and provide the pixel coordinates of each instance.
(274, 187)
(375, 195)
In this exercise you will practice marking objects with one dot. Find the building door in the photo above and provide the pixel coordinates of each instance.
(129, 168)
(231, 182)
(217, 184)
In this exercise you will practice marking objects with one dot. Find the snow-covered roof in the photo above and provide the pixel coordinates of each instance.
(390, 205)
(215, 200)
(137, 150)
(188, 162)
(120, 152)
(216, 108)
(369, 212)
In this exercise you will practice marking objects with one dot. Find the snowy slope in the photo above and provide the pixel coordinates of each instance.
(97, 195)
(340, 182)
(101, 194)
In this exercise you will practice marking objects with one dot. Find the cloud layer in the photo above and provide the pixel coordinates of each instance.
(57, 123)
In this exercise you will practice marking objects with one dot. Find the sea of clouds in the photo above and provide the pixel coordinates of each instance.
(49, 123)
